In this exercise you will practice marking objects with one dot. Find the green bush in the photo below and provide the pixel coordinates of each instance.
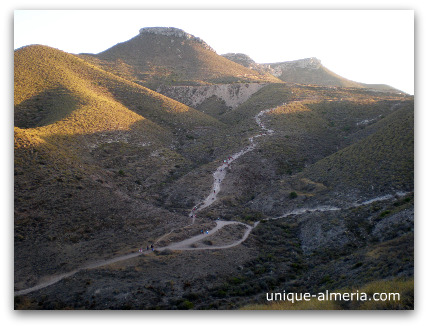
(292, 195)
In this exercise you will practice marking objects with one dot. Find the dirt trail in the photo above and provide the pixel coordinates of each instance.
(220, 173)
(186, 245)
(218, 176)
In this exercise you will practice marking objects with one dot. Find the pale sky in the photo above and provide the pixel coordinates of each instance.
(374, 46)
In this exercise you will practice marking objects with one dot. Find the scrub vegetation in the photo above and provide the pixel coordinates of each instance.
(105, 166)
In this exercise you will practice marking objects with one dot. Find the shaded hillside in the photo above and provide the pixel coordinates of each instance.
(161, 56)
(381, 163)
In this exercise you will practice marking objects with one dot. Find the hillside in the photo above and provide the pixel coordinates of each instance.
(243, 183)
(87, 141)
(380, 163)
(170, 56)
(304, 71)
(307, 131)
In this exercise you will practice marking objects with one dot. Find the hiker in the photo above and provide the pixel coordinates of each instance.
(202, 231)
(207, 232)
(152, 247)
(147, 247)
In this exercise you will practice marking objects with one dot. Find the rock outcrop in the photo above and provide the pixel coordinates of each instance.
(277, 69)
(174, 32)
(247, 61)
(232, 94)
(241, 59)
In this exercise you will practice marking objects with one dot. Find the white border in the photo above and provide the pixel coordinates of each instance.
(204, 318)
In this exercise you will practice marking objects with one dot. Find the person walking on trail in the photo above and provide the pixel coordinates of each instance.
(152, 247)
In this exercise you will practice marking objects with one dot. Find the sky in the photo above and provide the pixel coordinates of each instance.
(369, 46)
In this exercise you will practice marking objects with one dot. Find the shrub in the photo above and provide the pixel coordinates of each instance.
(292, 195)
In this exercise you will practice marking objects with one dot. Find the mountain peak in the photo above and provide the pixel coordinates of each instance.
(174, 32)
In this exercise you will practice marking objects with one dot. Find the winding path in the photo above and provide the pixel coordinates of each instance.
(186, 245)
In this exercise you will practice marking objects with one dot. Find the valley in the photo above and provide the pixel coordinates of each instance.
(244, 182)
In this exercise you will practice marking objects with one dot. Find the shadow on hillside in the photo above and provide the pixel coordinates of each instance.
(45, 108)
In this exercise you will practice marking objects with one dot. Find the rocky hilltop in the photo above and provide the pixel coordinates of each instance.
(240, 58)
(247, 61)
(277, 69)
(304, 71)
(174, 32)
(170, 56)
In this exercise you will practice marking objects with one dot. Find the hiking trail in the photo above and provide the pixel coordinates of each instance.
(186, 244)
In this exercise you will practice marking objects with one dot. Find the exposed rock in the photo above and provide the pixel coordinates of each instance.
(394, 225)
(246, 61)
(232, 94)
(277, 69)
(239, 58)
(174, 32)
(321, 230)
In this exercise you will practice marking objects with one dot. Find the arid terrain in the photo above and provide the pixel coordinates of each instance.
(245, 178)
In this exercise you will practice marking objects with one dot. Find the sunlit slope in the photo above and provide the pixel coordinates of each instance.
(305, 71)
(311, 71)
(52, 86)
(152, 59)
(278, 94)
(91, 150)
(319, 76)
